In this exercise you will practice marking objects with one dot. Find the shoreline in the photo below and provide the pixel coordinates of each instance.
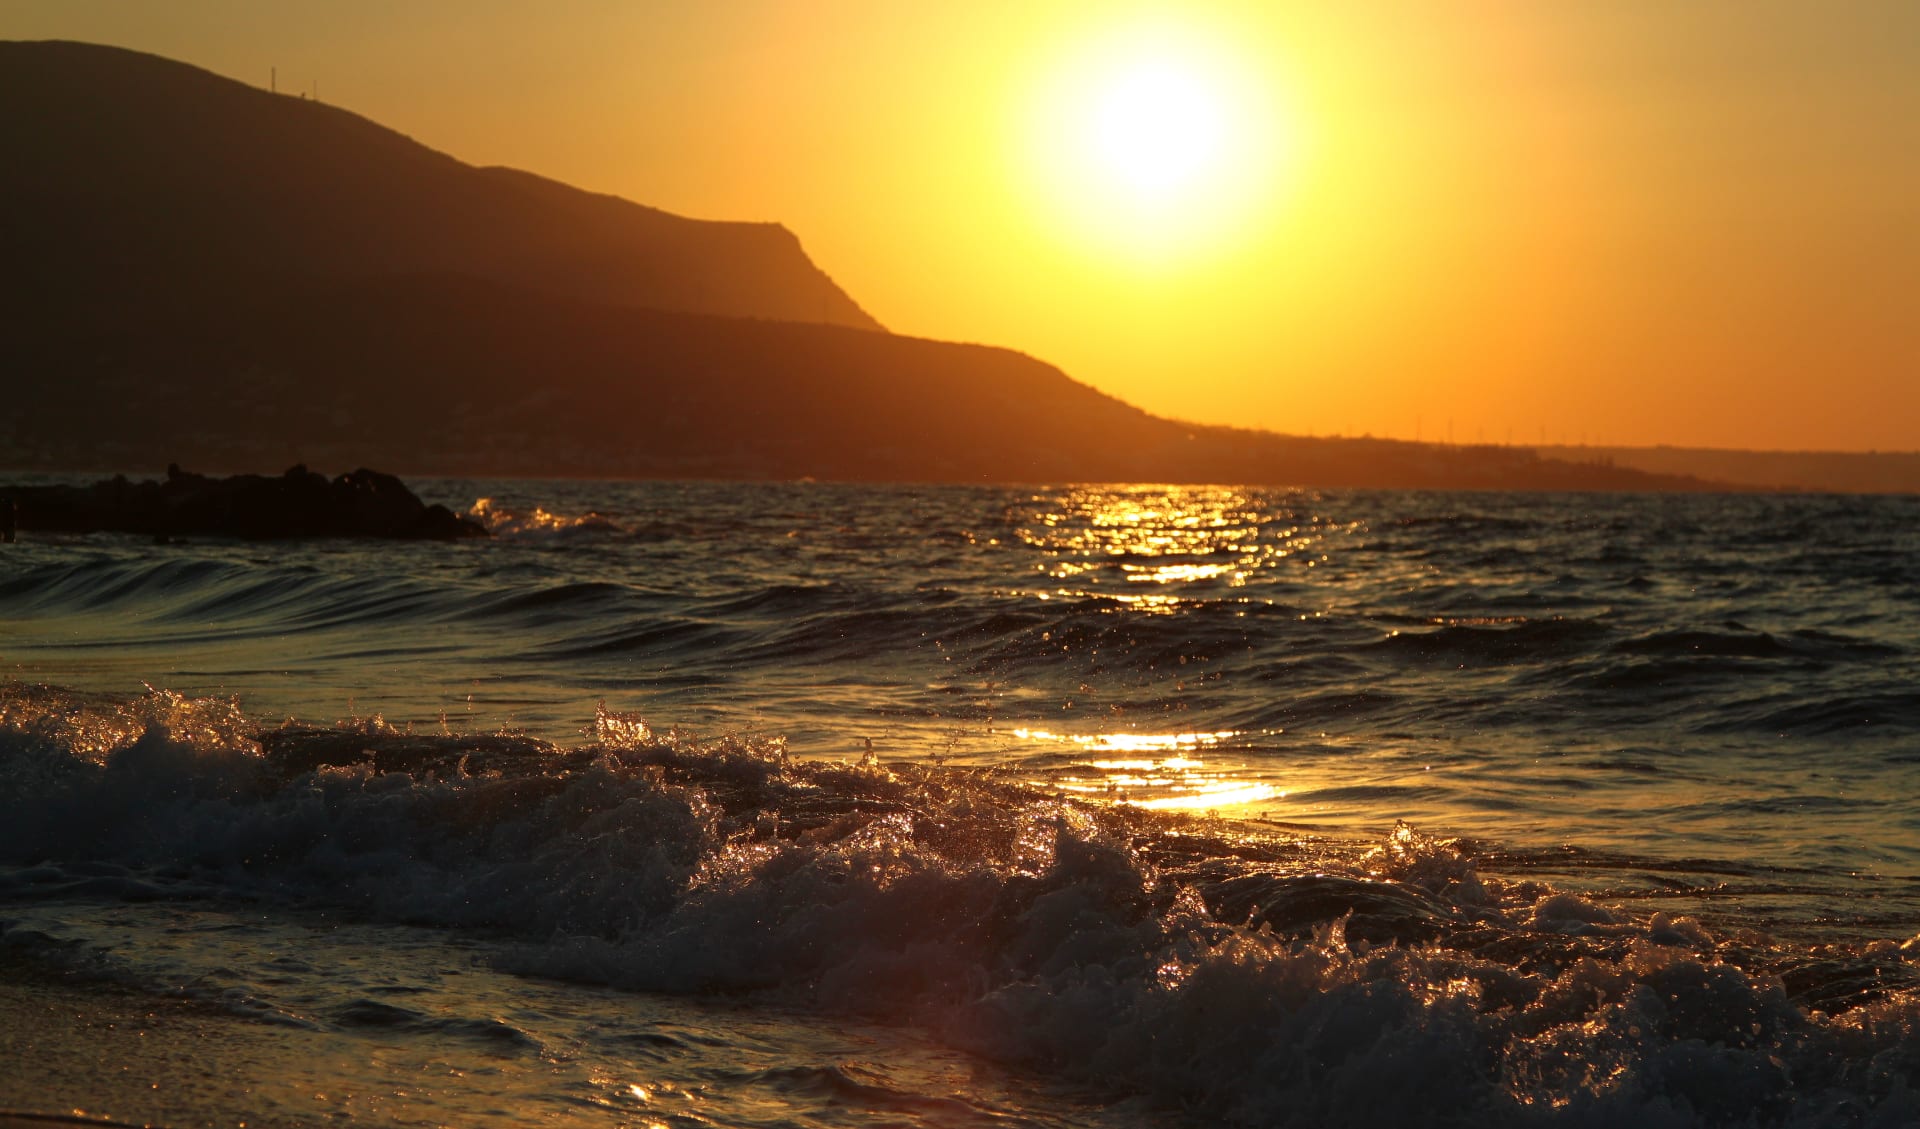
(101, 1055)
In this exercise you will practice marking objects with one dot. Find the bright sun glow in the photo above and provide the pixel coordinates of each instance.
(1157, 143)
(1159, 129)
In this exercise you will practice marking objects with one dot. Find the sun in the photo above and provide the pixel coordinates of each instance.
(1156, 144)
(1157, 130)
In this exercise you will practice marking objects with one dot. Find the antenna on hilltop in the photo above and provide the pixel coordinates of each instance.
(273, 79)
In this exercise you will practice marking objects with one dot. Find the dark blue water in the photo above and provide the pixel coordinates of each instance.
(1097, 786)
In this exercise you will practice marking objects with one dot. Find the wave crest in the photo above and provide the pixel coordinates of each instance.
(1248, 976)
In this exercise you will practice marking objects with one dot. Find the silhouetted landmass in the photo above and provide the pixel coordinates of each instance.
(203, 271)
(1836, 472)
(454, 377)
(132, 177)
(299, 503)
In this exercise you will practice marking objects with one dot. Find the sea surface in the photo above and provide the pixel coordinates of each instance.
(691, 804)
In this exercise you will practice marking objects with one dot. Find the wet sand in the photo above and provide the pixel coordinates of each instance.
(90, 1055)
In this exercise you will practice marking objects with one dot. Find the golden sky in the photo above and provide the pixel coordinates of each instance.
(1623, 222)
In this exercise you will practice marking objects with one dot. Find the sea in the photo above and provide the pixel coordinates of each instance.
(809, 804)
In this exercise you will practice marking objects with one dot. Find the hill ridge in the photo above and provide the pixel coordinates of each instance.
(195, 280)
(187, 178)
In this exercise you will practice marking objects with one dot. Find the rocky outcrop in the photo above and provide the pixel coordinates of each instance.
(300, 503)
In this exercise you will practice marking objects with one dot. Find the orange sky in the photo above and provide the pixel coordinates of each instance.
(1631, 222)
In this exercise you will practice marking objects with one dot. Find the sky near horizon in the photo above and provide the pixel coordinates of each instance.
(1631, 223)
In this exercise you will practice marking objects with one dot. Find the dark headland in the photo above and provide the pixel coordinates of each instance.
(203, 271)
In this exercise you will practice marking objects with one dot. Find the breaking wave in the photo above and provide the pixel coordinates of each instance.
(1236, 972)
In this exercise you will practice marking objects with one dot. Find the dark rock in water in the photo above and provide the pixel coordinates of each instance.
(299, 503)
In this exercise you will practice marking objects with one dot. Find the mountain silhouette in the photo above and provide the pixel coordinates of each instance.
(202, 272)
(136, 175)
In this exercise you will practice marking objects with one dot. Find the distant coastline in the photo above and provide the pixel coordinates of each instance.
(1706, 469)
(206, 273)
(1833, 472)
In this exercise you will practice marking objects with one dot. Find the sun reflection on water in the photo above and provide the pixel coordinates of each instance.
(1150, 550)
(1177, 781)
(1191, 541)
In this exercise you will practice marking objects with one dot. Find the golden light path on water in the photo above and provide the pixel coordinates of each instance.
(1150, 549)
(1177, 781)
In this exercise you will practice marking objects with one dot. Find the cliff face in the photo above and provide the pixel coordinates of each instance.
(131, 176)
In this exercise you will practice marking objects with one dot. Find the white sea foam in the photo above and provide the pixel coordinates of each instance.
(1246, 977)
